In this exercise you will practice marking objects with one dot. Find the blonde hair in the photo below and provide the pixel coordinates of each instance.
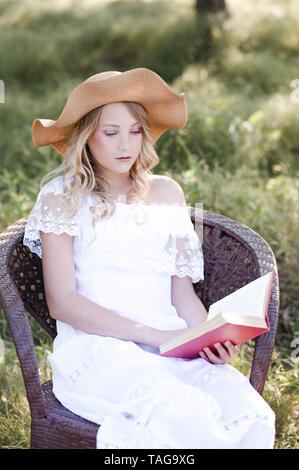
(87, 178)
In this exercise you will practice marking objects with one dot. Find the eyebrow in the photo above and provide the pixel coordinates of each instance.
(115, 125)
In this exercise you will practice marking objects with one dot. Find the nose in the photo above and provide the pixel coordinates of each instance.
(124, 141)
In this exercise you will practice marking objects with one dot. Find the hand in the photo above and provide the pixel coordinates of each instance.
(157, 337)
(226, 353)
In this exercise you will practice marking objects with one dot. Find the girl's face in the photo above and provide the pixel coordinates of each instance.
(117, 135)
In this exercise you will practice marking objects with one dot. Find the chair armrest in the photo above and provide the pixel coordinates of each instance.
(18, 322)
(264, 343)
(263, 261)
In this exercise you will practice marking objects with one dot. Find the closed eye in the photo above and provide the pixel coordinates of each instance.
(114, 133)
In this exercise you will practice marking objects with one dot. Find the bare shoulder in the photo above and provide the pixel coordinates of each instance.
(167, 191)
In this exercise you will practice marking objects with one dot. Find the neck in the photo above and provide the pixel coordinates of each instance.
(121, 185)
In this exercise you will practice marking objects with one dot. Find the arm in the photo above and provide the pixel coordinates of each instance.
(66, 305)
(183, 296)
(186, 302)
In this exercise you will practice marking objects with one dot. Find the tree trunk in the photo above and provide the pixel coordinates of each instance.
(210, 5)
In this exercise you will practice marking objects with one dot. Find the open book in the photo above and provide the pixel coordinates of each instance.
(238, 317)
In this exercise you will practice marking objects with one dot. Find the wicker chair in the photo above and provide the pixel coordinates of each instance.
(234, 255)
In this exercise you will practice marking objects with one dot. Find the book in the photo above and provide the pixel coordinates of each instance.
(238, 317)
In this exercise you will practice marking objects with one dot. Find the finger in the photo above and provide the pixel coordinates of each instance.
(222, 351)
(212, 357)
(203, 356)
(232, 349)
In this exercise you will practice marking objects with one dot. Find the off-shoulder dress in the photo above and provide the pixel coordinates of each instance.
(139, 398)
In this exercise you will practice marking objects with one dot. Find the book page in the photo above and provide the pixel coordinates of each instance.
(248, 300)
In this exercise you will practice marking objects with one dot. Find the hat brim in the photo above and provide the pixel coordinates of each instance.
(165, 107)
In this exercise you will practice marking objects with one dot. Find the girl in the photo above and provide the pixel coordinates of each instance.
(120, 257)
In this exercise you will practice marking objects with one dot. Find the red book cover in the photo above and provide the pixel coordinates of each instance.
(224, 326)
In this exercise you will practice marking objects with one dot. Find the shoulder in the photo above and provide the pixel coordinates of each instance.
(54, 185)
(52, 195)
(167, 190)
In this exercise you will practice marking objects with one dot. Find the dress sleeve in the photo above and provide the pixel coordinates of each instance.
(184, 247)
(49, 215)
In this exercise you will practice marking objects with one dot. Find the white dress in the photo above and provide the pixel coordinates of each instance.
(141, 399)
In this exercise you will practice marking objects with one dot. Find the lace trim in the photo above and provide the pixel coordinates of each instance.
(213, 373)
(190, 264)
(186, 250)
(182, 256)
(49, 221)
(34, 246)
(179, 265)
(241, 419)
(159, 390)
(161, 262)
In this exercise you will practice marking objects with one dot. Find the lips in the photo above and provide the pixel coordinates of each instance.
(123, 158)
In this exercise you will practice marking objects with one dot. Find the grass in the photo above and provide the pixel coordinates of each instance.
(238, 154)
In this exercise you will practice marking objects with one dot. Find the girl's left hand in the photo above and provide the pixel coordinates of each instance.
(226, 353)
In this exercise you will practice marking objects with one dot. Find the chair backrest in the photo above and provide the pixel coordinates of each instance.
(234, 255)
(26, 271)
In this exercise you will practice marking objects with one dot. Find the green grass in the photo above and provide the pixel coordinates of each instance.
(238, 154)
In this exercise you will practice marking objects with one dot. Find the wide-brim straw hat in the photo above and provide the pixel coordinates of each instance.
(166, 107)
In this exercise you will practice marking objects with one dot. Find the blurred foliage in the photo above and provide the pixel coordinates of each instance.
(238, 154)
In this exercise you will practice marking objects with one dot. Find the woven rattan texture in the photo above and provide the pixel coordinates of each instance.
(77, 433)
(234, 255)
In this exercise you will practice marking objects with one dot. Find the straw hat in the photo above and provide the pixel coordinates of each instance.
(166, 108)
